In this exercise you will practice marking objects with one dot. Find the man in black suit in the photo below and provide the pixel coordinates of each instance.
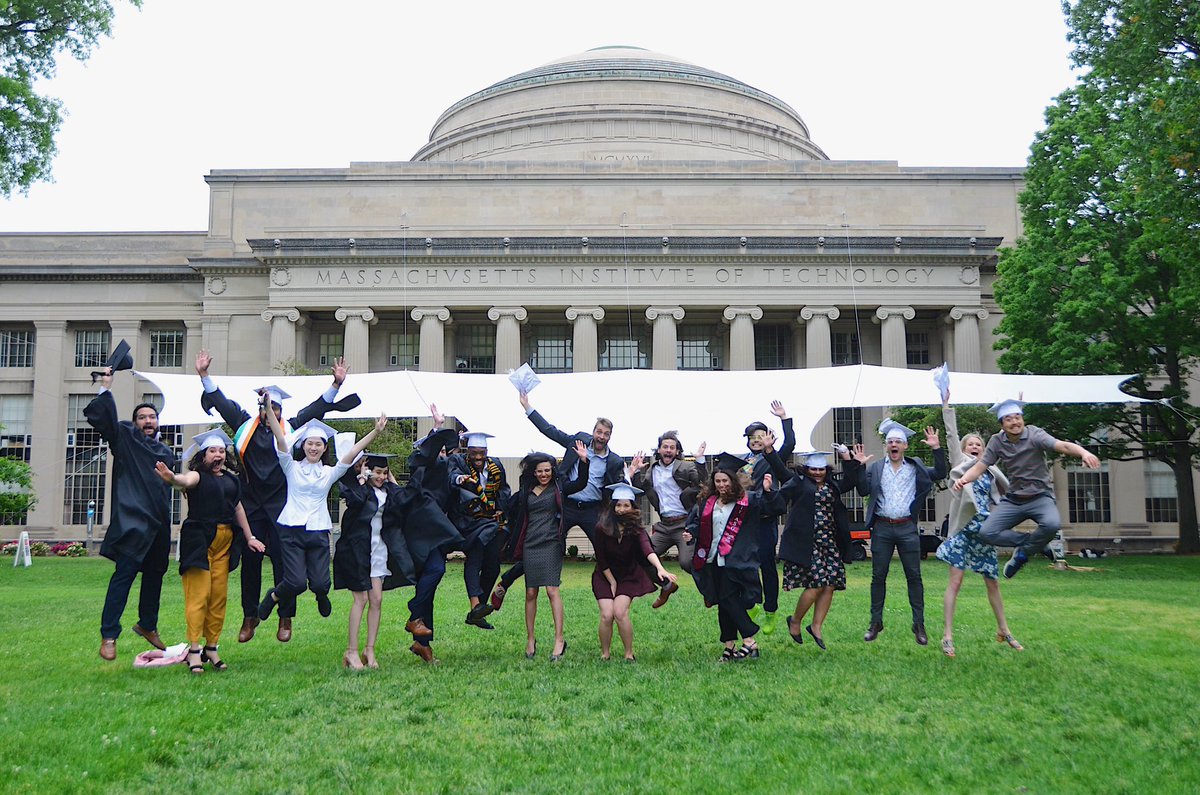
(897, 487)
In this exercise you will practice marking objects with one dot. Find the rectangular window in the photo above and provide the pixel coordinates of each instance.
(172, 436)
(86, 458)
(847, 426)
(1162, 500)
(475, 349)
(548, 349)
(697, 347)
(928, 515)
(16, 425)
(622, 350)
(91, 347)
(166, 348)
(404, 349)
(773, 347)
(845, 349)
(917, 348)
(16, 348)
(329, 348)
(1087, 495)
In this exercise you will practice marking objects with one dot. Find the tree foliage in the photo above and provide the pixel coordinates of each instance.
(16, 490)
(33, 34)
(1106, 278)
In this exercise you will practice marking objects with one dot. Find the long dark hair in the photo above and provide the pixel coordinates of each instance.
(232, 465)
(710, 487)
(614, 525)
(529, 465)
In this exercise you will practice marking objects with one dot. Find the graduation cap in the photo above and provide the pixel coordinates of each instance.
(477, 439)
(729, 463)
(817, 459)
(755, 427)
(313, 429)
(343, 443)
(1006, 407)
(120, 359)
(380, 460)
(623, 491)
(277, 393)
(891, 430)
(214, 437)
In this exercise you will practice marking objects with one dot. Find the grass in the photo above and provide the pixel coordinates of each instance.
(1104, 699)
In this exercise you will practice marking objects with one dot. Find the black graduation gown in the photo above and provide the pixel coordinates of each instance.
(352, 553)
(427, 527)
(475, 529)
(209, 504)
(140, 505)
(741, 579)
(800, 491)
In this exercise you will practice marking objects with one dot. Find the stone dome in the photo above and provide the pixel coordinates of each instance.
(619, 104)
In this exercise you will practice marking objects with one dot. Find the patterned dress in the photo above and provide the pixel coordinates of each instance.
(964, 550)
(826, 569)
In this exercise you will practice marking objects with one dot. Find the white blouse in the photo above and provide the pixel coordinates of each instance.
(308, 492)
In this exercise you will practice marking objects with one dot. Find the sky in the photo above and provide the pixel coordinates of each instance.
(185, 87)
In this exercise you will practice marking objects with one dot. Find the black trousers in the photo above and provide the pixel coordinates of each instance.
(305, 562)
(732, 616)
(514, 573)
(903, 538)
(252, 564)
(768, 540)
(421, 605)
(482, 566)
(119, 586)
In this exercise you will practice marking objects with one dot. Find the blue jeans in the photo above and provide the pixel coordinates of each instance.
(421, 605)
(998, 529)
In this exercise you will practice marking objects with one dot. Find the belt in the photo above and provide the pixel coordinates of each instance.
(582, 503)
(674, 517)
(890, 520)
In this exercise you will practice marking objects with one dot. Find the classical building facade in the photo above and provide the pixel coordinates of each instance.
(618, 208)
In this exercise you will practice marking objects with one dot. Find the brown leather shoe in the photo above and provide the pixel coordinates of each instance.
(664, 594)
(424, 652)
(108, 649)
(417, 629)
(873, 631)
(249, 624)
(919, 632)
(151, 637)
(284, 634)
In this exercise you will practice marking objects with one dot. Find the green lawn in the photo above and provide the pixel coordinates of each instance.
(1104, 699)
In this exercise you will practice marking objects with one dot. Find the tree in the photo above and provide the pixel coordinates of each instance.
(1106, 278)
(33, 33)
(16, 490)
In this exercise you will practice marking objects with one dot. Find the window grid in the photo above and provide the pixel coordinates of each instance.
(16, 425)
(166, 348)
(1162, 500)
(475, 349)
(91, 347)
(847, 426)
(87, 459)
(916, 348)
(772, 347)
(1087, 495)
(16, 348)
(404, 350)
(548, 349)
(624, 351)
(845, 349)
(329, 348)
(698, 348)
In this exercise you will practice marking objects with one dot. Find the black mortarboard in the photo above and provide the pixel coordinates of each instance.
(729, 463)
(121, 359)
(380, 459)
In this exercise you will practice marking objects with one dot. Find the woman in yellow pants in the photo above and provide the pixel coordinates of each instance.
(207, 550)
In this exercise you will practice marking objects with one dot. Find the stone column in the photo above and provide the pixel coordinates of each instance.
(433, 336)
(585, 344)
(894, 347)
(48, 422)
(283, 336)
(125, 385)
(967, 356)
(818, 341)
(193, 342)
(818, 352)
(216, 342)
(508, 320)
(664, 318)
(356, 345)
(741, 335)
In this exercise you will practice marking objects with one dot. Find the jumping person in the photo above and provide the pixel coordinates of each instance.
(480, 521)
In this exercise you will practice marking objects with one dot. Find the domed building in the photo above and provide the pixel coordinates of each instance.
(612, 209)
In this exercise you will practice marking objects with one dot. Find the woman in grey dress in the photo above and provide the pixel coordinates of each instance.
(535, 514)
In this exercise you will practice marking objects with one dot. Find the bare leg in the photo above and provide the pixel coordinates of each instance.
(624, 623)
(374, 615)
(993, 594)
(824, 600)
(351, 659)
(806, 600)
(950, 600)
(530, 619)
(556, 610)
(607, 614)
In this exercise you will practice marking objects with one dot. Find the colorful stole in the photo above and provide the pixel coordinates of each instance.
(241, 439)
(732, 528)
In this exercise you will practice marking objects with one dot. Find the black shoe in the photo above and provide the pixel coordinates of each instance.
(919, 631)
(795, 637)
(480, 622)
(561, 654)
(729, 655)
(323, 605)
(873, 631)
(746, 653)
(481, 610)
(820, 641)
(266, 605)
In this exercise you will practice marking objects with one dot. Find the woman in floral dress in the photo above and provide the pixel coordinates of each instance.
(962, 548)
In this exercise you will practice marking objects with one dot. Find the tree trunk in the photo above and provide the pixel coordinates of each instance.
(1189, 536)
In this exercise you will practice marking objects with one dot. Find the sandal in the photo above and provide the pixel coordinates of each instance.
(368, 657)
(198, 667)
(728, 655)
(218, 665)
(947, 647)
(747, 652)
(1013, 643)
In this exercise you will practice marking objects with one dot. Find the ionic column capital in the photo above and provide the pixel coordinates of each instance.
(654, 312)
(960, 312)
(419, 313)
(289, 313)
(810, 312)
(884, 312)
(731, 313)
(573, 313)
(496, 312)
(366, 313)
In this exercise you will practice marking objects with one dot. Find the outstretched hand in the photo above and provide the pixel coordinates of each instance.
(164, 472)
(581, 450)
(768, 481)
(638, 463)
(438, 417)
(203, 362)
(524, 398)
(858, 455)
(700, 450)
(381, 423)
(768, 440)
(778, 410)
(931, 437)
(339, 370)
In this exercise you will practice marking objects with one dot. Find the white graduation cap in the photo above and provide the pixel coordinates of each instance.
(524, 378)
(817, 459)
(623, 491)
(210, 438)
(313, 429)
(941, 379)
(890, 429)
(343, 443)
(277, 393)
(1006, 407)
(477, 439)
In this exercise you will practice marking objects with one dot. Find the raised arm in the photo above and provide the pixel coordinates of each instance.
(1070, 448)
(273, 424)
(101, 412)
(581, 479)
(548, 430)
(362, 443)
(181, 482)
(789, 433)
(212, 397)
(950, 418)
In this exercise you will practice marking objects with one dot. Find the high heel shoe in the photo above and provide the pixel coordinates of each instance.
(350, 660)
(529, 655)
(198, 666)
(1013, 643)
(218, 665)
(368, 657)
(561, 654)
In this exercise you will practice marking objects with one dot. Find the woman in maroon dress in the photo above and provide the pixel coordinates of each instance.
(622, 547)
